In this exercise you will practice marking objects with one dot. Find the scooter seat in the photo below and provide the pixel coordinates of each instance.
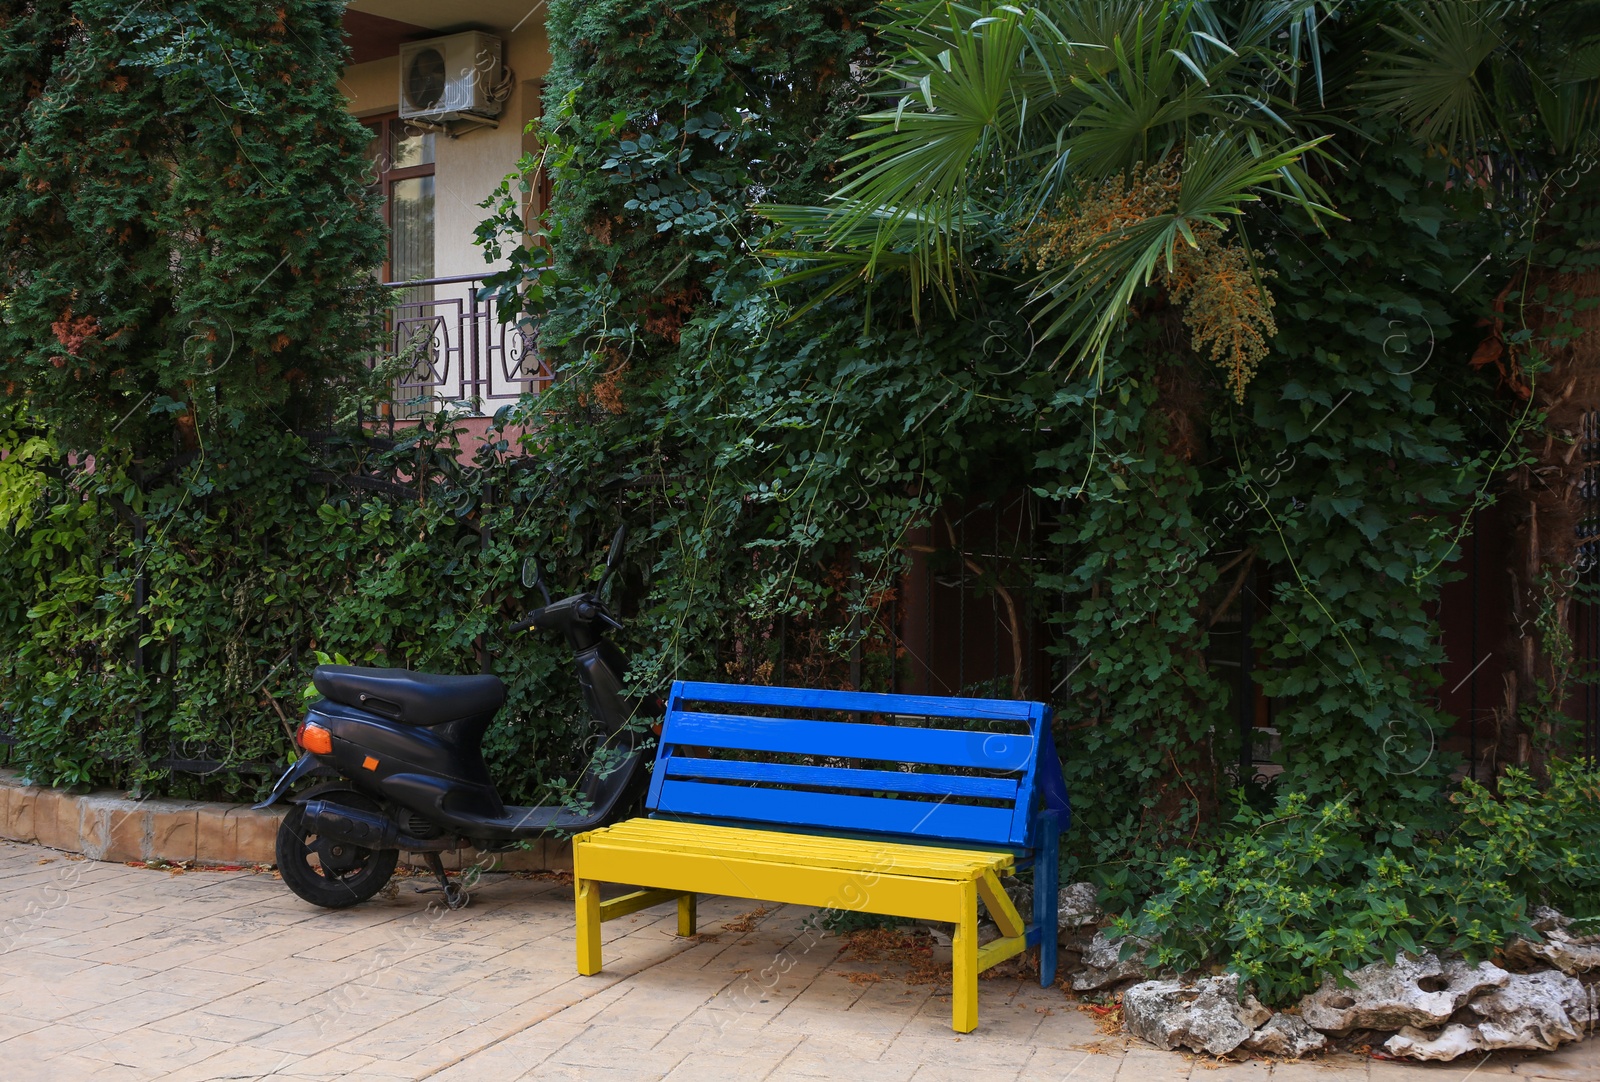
(415, 698)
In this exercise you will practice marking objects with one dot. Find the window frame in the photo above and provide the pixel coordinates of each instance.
(384, 127)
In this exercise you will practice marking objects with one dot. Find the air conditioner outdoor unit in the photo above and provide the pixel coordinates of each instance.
(450, 78)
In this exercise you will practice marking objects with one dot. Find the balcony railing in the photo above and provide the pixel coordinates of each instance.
(445, 345)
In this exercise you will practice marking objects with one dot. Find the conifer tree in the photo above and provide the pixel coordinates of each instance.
(187, 226)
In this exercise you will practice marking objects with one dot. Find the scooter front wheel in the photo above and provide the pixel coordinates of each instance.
(326, 872)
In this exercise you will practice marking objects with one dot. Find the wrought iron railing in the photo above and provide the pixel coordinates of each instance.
(1586, 613)
(445, 344)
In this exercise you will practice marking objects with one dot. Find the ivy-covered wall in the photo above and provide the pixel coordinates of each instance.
(187, 224)
(773, 459)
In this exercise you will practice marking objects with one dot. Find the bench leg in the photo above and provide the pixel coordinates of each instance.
(686, 914)
(588, 927)
(964, 964)
(1046, 887)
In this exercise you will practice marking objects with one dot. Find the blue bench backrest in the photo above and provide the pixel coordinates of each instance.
(717, 760)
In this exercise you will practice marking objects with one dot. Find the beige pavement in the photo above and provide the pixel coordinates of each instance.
(109, 972)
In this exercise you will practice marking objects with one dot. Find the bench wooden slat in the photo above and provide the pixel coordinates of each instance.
(832, 777)
(851, 854)
(854, 740)
(918, 818)
(735, 877)
(860, 702)
(931, 851)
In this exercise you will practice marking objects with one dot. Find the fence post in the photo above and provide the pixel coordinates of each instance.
(855, 628)
(484, 541)
(1247, 684)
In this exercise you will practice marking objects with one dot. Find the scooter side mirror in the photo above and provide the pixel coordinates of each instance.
(533, 576)
(613, 557)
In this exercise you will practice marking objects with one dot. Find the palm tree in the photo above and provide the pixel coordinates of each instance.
(1085, 151)
(1115, 145)
(1090, 155)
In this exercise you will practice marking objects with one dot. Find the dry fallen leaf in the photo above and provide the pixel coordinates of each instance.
(745, 922)
(1107, 1017)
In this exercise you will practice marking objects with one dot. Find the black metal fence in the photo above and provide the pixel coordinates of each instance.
(445, 343)
(1586, 607)
(970, 617)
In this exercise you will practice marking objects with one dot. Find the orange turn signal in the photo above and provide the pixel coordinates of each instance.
(316, 739)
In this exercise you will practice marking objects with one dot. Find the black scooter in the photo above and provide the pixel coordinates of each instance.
(406, 749)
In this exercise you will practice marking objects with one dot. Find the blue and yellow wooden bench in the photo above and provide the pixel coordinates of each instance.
(915, 807)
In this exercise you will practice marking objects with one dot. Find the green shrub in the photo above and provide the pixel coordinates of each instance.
(1309, 889)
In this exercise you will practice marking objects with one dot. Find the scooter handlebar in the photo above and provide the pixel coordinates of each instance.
(580, 608)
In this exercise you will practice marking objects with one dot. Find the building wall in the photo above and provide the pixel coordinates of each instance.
(469, 167)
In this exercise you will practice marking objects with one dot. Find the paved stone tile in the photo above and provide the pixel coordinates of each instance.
(24, 964)
(1343, 1069)
(202, 986)
(131, 1012)
(939, 1072)
(698, 1066)
(15, 1026)
(45, 1043)
(561, 1072)
(61, 1068)
(338, 1064)
(1254, 1070)
(110, 972)
(805, 1069)
(276, 1002)
(1142, 1062)
(975, 1050)
(42, 1005)
(146, 1051)
(1076, 1065)
(236, 1062)
(1570, 1063)
(490, 1063)
(213, 1027)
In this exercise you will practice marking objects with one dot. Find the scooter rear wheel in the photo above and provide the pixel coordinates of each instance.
(329, 873)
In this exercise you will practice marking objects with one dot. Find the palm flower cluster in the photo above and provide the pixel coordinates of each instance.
(1225, 305)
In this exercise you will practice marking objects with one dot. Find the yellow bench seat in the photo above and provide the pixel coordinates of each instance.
(673, 859)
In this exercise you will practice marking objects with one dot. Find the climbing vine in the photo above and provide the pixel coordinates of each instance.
(1312, 443)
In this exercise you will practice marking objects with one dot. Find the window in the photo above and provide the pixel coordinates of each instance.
(402, 160)
(402, 174)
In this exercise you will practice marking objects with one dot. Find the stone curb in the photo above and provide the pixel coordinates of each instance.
(112, 827)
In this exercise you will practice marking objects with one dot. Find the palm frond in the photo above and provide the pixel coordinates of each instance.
(868, 243)
(997, 113)
(1082, 305)
(1436, 81)
(924, 164)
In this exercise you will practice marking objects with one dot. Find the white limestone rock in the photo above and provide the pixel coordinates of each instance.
(1103, 965)
(1421, 993)
(1021, 895)
(1077, 906)
(1571, 956)
(1204, 1017)
(1286, 1036)
(1452, 1041)
(1544, 1009)
(1545, 919)
(1534, 1012)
